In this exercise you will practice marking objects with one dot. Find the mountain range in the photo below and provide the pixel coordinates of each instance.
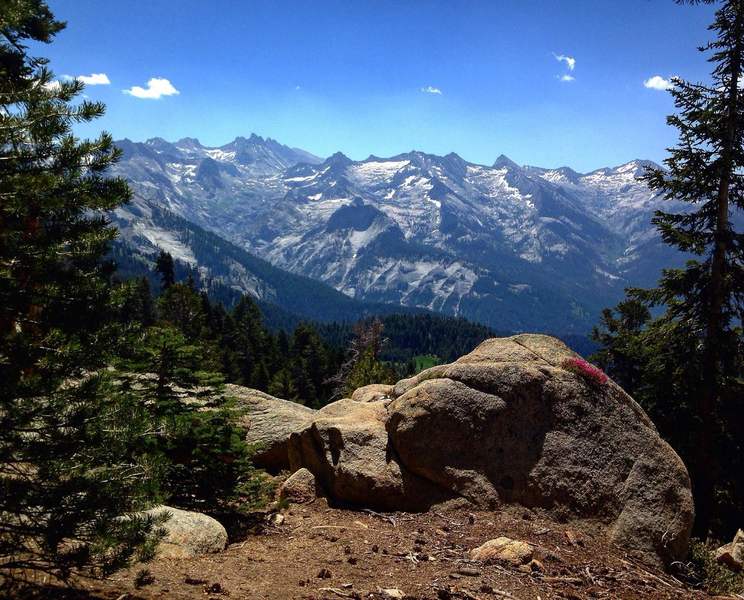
(515, 247)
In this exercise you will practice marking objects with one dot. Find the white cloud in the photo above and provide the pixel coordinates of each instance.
(157, 87)
(567, 78)
(430, 89)
(569, 60)
(657, 82)
(94, 79)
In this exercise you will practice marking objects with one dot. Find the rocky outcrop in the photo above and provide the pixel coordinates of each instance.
(373, 392)
(732, 554)
(506, 423)
(188, 534)
(269, 422)
(347, 448)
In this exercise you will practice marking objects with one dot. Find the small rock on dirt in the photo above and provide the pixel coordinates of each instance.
(573, 538)
(504, 549)
(732, 554)
(300, 487)
(391, 593)
(536, 566)
(276, 519)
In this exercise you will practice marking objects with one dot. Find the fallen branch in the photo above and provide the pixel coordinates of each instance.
(387, 518)
(574, 580)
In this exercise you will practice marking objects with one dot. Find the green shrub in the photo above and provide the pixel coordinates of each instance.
(701, 569)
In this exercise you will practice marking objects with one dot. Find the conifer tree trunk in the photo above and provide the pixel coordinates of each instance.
(708, 467)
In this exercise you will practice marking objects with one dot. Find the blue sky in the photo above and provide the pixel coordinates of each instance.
(477, 77)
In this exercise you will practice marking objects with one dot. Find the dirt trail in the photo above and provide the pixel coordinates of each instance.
(325, 553)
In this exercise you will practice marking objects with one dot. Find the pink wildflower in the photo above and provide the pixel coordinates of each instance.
(586, 370)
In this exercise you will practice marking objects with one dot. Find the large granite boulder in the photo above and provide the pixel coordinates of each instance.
(269, 422)
(512, 422)
(509, 423)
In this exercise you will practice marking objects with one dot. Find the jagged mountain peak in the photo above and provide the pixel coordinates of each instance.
(338, 160)
(253, 138)
(560, 175)
(638, 165)
(504, 162)
(240, 141)
(159, 145)
(568, 171)
(412, 155)
(189, 142)
(633, 167)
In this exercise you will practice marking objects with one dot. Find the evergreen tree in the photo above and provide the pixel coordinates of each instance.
(367, 369)
(282, 386)
(133, 302)
(282, 343)
(181, 306)
(66, 470)
(204, 461)
(697, 342)
(622, 349)
(363, 365)
(309, 364)
(260, 377)
(165, 267)
(249, 338)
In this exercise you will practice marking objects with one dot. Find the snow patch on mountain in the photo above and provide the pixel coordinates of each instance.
(156, 237)
(376, 172)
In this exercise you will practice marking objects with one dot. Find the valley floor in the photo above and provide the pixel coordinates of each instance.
(322, 553)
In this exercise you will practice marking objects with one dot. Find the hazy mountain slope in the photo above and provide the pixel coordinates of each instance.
(230, 271)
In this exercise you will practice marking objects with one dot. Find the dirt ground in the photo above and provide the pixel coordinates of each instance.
(322, 553)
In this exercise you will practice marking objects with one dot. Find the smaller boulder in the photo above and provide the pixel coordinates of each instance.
(189, 534)
(391, 593)
(300, 487)
(277, 519)
(732, 554)
(373, 393)
(504, 549)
